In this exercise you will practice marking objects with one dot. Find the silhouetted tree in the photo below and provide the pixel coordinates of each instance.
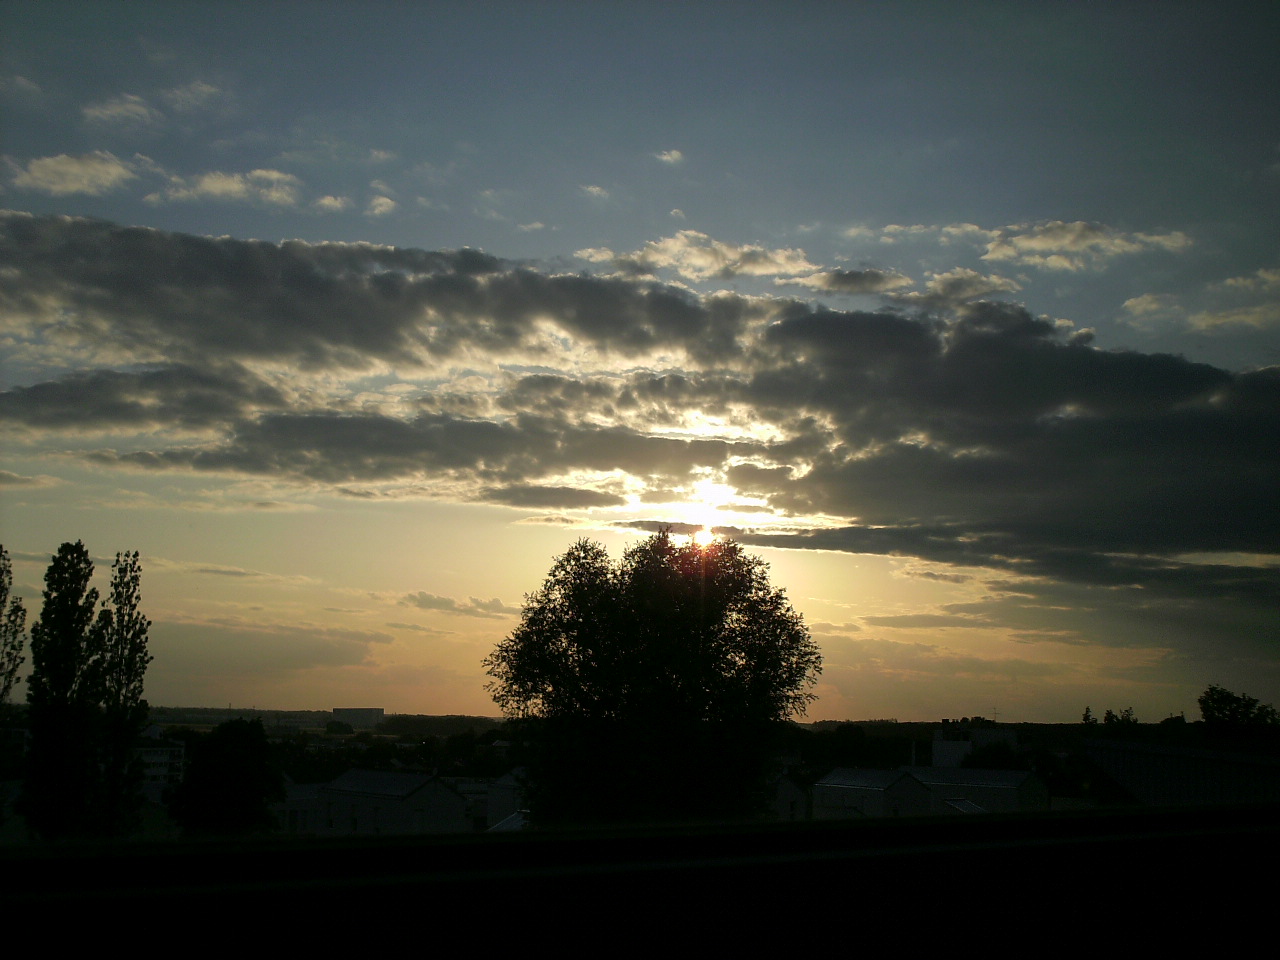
(1088, 719)
(122, 666)
(13, 636)
(650, 689)
(62, 695)
(231, 781)
(1223, 709)
(1125, 718)
(84, 699)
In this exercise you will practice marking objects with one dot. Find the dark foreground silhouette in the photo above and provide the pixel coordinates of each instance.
(719, 883)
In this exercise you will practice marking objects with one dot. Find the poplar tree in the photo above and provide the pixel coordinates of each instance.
(62, 771)
(84, 699)
(121, 667)
(13, 622)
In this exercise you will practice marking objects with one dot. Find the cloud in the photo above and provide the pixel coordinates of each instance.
(380, 207)
(335, 449)
(1261, 279)
(10, 479)
(493, 609)
(127, 108)
(212, 647)
(1251, 300)
(595, 193)
(1260, 316)
(565, 498)
(967, 232)
(670, 157)
(488, 203)
(996, 440)
(854, 281)
(894, 232)
(1057, 245)
(21, 89)
(331, 204)
(905, 661)
(970, 435)
(93, 173)
(272, 187)
(1046, 245)
(417, 628)
(177, 298)
(1150, 303)
(959, 286)
(530, 227)
(197, 95)
(697, 256)
(221, 570)
(177, 395)
(931, 621)
(677, 214)
(554, 520)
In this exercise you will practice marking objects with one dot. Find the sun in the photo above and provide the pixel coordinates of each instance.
(702, 509)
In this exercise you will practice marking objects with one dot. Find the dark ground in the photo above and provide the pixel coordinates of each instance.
(1057, 878)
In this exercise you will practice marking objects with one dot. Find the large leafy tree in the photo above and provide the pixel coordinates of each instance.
(651, 689)
(1223, 710)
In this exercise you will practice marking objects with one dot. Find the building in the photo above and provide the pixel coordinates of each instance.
(372, 802)
(847, 793)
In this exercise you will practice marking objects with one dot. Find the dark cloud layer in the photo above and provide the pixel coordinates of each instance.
(996, 425)
(338, 448)
(177, 395)
(329, 304)
(954, 429)
(566, 498)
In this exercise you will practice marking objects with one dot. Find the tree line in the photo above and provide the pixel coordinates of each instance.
(1220, 710)
(679, 664)
(85, 706)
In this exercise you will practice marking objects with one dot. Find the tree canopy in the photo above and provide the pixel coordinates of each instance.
(231, 781)
(1220, 708)
(670, 666)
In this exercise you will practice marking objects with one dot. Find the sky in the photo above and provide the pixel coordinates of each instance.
(352, 317)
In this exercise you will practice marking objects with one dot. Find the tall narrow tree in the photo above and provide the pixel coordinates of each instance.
(121, 667)
(13, 623)
(62, 700)
(84, 699)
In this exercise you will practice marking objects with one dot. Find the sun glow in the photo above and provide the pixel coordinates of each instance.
(703, 507)
(703, 537)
